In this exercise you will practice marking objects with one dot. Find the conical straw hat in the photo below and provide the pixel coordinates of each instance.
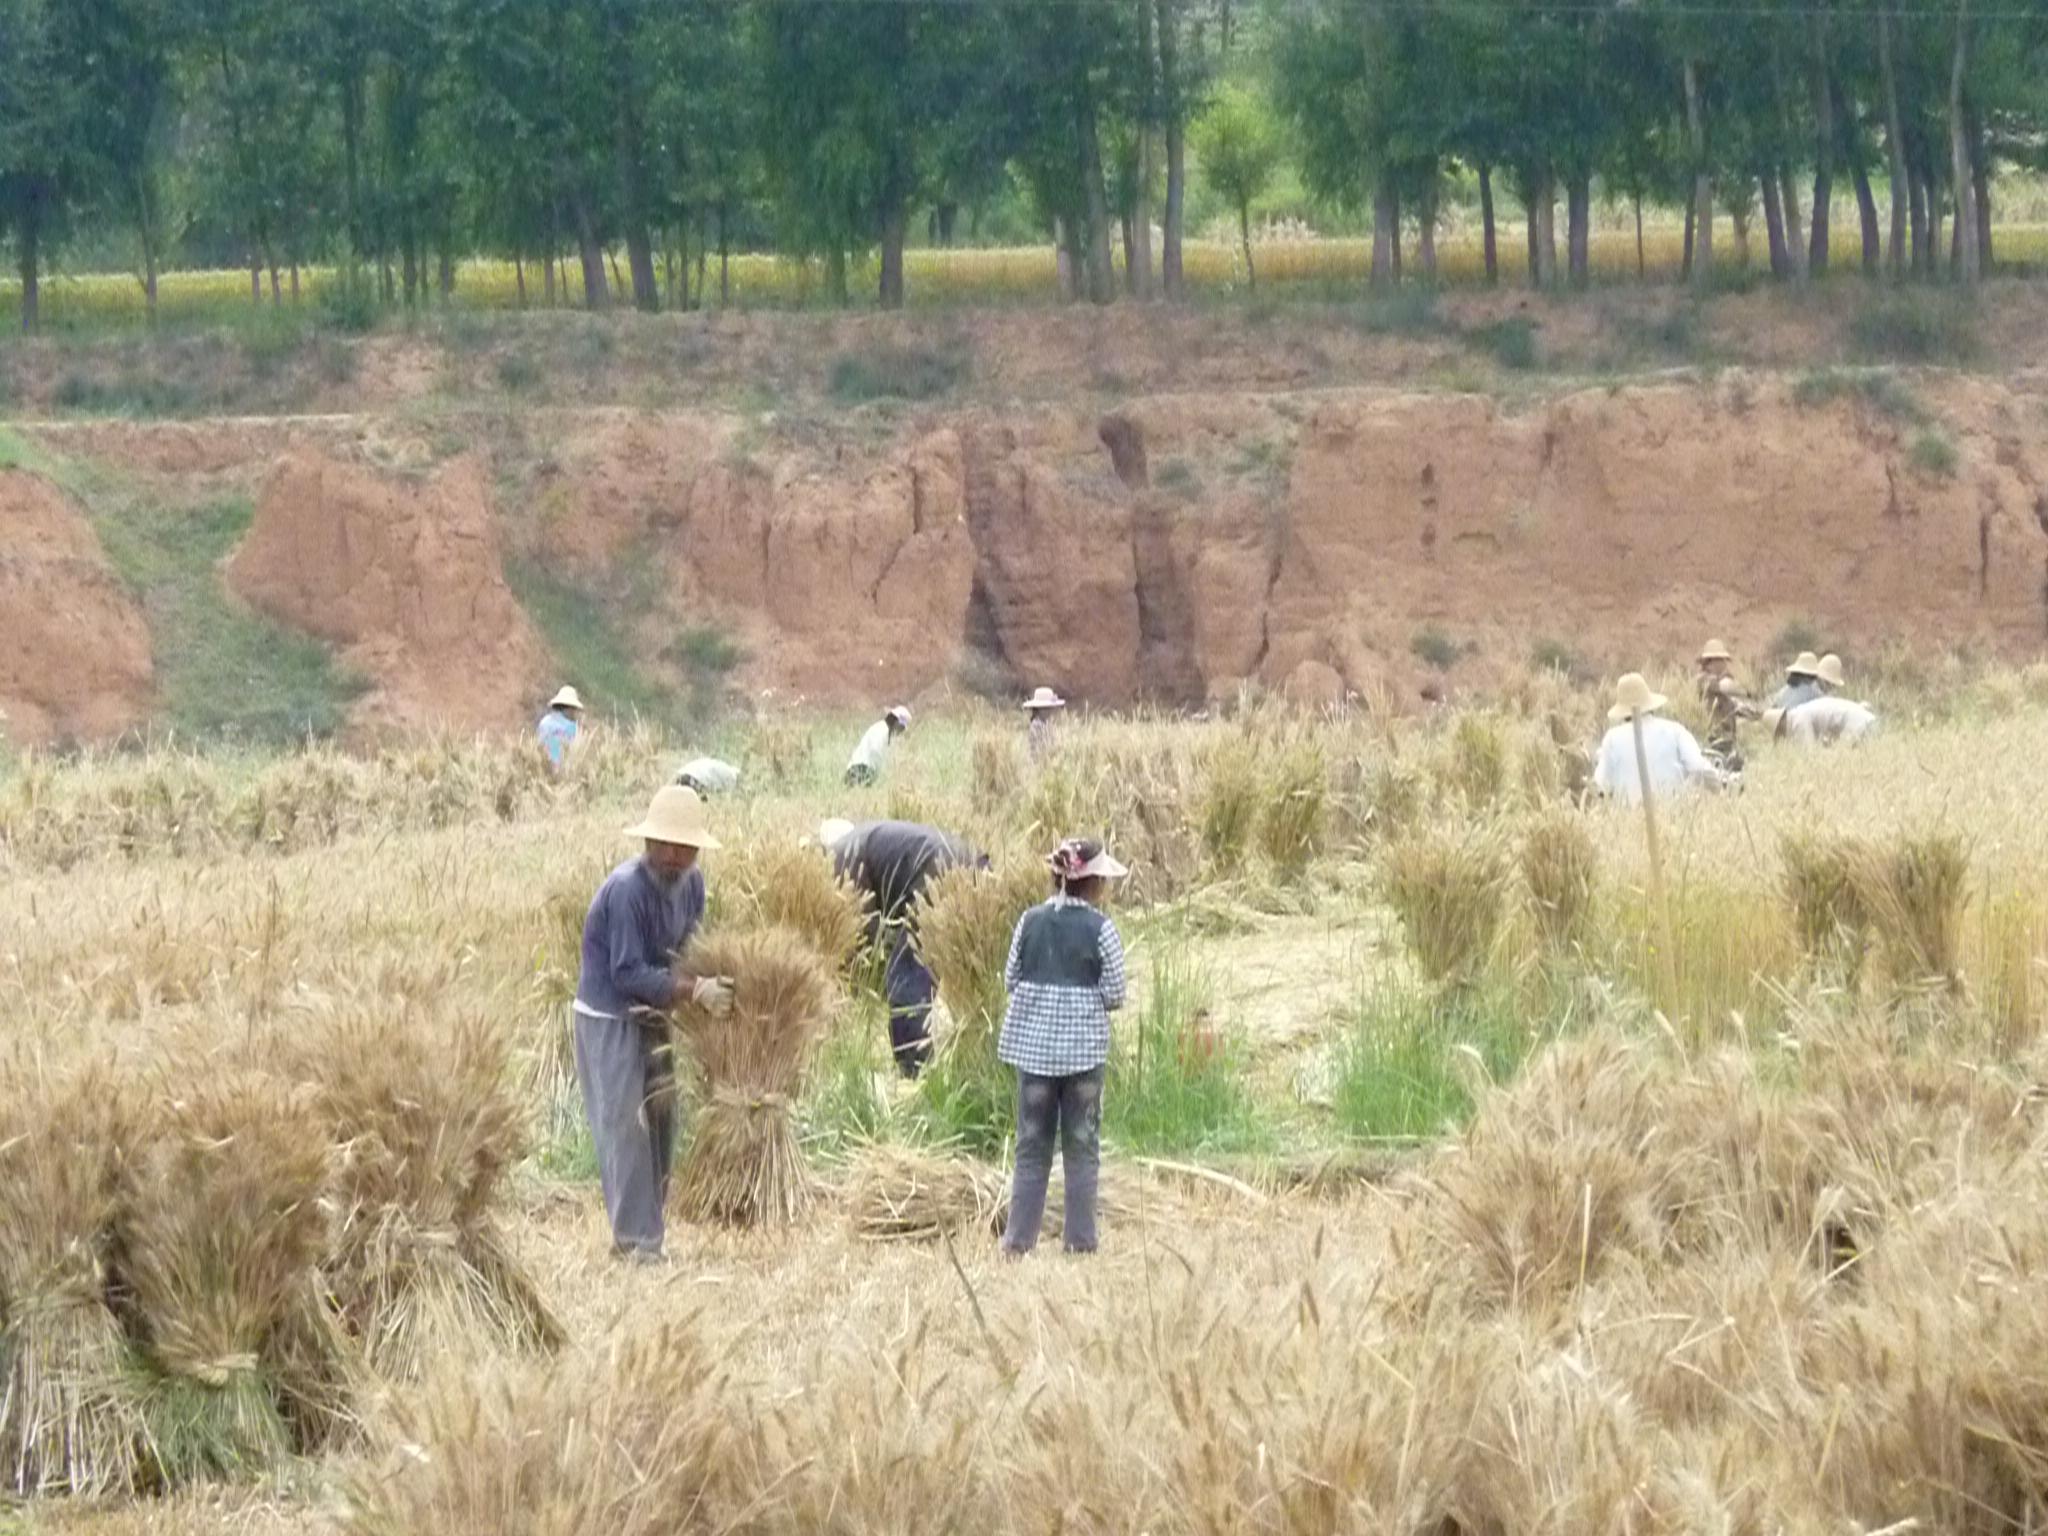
(566, 697)
(1829, 670)
(1805, 664)
(1716, 650)
(1632, 697)
(1045, 698)
(676, 816)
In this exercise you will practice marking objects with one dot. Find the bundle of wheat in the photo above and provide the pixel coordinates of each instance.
(66, 1424)
(743, 1165)
(426, 1124)
(222, 1222)
(964, 923)
(1915, 891)
(898, 1194)
(1826, 899)
(780, 884)
(1448, 890)
(1559, 867)
(639, 1442)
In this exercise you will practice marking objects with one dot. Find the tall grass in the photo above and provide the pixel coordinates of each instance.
(1178, 1074)
(1411, 1061)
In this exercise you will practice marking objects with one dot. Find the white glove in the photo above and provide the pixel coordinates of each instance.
(713, 994)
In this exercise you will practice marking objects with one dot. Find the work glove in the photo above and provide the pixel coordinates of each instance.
(713, 994)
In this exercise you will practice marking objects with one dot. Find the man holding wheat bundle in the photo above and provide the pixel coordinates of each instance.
(634, 938)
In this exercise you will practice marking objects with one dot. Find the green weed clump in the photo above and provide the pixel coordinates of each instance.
(1915, 327)
(1934, 455)
(1411, 1061)
(1177, 1082)
(1448, 887)
(1877, 388)
(897, 373)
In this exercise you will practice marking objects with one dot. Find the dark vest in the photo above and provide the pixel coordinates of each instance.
(1061, 946)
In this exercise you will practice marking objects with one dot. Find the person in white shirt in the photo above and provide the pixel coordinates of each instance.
(1670, 751)
(708, 776)
(1825, 721)
(865, 766)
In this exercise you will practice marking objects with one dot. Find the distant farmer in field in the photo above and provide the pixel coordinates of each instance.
(866, 764)
(1726, 706)
(634, 941)
(560, 726)
(1040, 710)
(893, 862)
(1802, 683)
(708, 776)
(1671, 752)
(1066, 977)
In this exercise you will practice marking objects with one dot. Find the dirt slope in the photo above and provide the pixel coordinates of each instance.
(74, 648)
(1174, 548)
(405, 579)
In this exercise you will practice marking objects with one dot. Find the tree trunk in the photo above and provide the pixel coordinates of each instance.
(895, 222)
(724, 257)
(1546, 229)
(1642, 270)
(1894, 145)
(1487, 237)
(1244, 231)
(519, 278)
(1866, 218)
(445, 258)
(1064, 263)
(835, 274)
(1702, 178)
(1823, 150)
(352, 180)
(701, 255)
(619, 282)
(595, 294)
(1918, 208)
(1171, 278)
(1774, 226)
(1138, 250)
(255, 279)
(1691, 224)
(28, 255)
(1968, 266)
(295, 282)
(1795, 227)
(276, 289)
(1739, 217)
(149, 281)
(1394, 192)
(1578, 191)
(1980, 182)
(944, 218)
(409, 255)
(1123, 223)
(1385, 213)
(1426, 221)
(626, 146)
(1101, 274)
(547, 279)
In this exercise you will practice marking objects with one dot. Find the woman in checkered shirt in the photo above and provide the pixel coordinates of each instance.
(1066, 976)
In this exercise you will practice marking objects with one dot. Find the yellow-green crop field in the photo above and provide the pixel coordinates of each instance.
(974, 276)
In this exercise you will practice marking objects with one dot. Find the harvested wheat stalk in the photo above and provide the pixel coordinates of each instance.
(897, 1194)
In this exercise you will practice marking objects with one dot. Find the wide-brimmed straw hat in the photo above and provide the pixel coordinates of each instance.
(677, 816)
(1082, 858)
(1829, 670)
(1045, 698)
(1715, 650)
(833, 831)
(900, 714)
(1805, 664)
(1632, 697)
(566, 697)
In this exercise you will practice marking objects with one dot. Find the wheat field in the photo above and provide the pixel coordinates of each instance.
(1452, 1184)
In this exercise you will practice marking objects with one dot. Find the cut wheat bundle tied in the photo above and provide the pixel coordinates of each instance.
(744, 1165)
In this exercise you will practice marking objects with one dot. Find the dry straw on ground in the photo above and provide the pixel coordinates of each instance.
(743, 1164)
(899, 1194)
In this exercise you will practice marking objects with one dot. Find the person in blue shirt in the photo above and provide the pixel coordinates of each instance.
(560, 726)
(636, 938)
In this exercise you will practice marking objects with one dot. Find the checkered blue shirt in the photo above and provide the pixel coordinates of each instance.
(1055, 1029)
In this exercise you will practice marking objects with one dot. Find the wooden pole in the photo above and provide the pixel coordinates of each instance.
(1669, 960)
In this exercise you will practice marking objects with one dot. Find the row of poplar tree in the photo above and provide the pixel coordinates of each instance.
(390, 137)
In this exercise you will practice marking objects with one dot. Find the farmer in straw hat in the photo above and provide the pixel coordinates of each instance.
(708, 776)
(560, 726)
(1040, 710)
(865, 766)
(1829, 674)
(634, 940)
(1725, 704)
(1066, 977)
(1802, 683)
(893, 862)
(1670, 751)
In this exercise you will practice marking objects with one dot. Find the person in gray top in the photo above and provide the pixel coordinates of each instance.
(635, 936)
(892, 862)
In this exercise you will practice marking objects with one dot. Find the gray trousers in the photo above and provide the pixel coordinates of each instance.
(1073, 1106)
(627, 1072)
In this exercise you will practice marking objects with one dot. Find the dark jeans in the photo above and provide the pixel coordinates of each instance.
(910, 988)
(1073, 1107)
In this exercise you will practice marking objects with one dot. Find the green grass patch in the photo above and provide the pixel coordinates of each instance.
(1883, 392)
(1410, 1058)
(896, 373)
(842, 1105)
(1177, 1077)
(1915, 327)
(1933, 454)
(1433, 648)
(1178, 476)
(1409, 311)
(589, 645)
(222, 669)
(1510, 342)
